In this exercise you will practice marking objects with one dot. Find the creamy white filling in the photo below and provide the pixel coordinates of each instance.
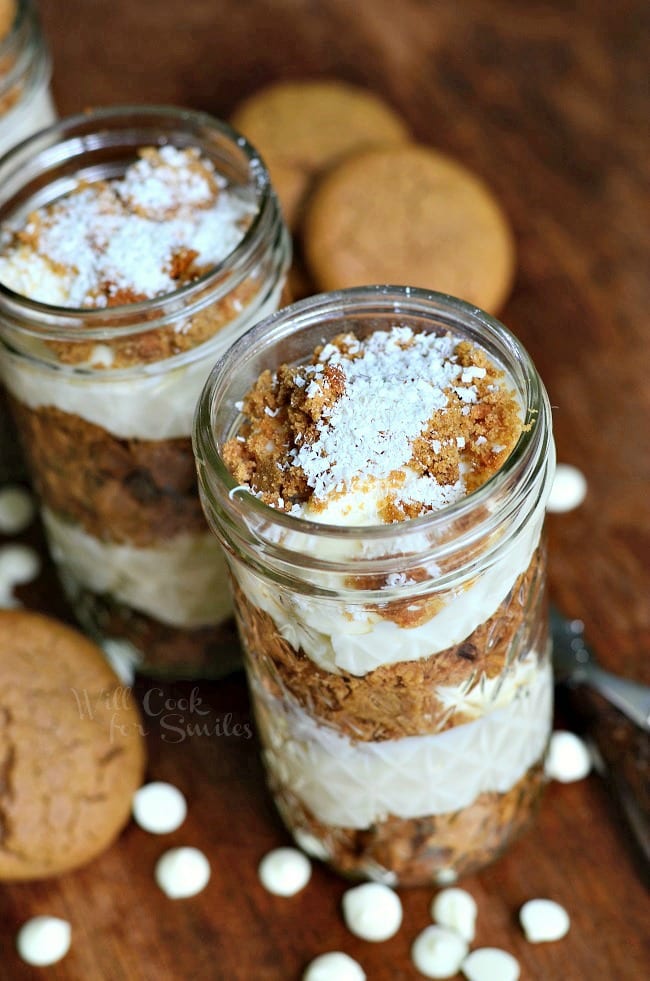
(361, 503)
(354, 785)
(150, 402)
(26, 117)
(357, 640)
(182, 582)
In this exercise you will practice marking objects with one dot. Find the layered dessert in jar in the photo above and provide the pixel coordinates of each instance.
(25, 68)
(381, 496)
(25, 106)
(151, 247)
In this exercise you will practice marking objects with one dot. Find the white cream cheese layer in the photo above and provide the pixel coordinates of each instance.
(183, 582)
(354, 785)
(358, 640)
(149, 402)
(26, 117)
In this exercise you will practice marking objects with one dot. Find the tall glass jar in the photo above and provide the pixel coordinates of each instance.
(103, 397)
(25, 106)
(25, 69)
(400, 673)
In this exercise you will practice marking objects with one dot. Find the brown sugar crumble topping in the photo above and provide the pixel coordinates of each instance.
(405, 422)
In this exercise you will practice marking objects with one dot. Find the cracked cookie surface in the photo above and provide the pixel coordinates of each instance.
(71, 748)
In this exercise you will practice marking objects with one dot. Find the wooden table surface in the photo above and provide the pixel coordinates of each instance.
(548, 102)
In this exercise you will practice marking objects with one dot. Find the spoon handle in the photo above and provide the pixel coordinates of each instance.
(623, 758)
(630, 697)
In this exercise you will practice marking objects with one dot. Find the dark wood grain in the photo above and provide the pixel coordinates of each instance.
(548, 102)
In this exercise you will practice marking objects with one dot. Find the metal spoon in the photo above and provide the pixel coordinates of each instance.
(575, 663)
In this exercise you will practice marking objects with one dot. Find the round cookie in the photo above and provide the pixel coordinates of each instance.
(71, 749)
(302, 128)
(407, 215)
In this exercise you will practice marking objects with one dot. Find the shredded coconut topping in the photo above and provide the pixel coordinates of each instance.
(164, 223)
(376, 430)
(389, 395)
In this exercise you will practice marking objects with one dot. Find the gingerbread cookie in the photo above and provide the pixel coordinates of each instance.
(409, 215)
(71, 748)
(302, 128)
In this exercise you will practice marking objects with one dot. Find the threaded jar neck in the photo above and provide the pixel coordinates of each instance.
(463, 538)
(24, 57)
(100, 145)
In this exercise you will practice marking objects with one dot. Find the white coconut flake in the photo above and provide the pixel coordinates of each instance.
(390, 395)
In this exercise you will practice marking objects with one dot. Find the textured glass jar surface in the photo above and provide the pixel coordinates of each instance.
(25, 107)
(25, 69)
(103, 397)
(400, 674)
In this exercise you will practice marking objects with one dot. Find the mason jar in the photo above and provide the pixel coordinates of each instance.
(399, 671)
(25, 70)
(25, 106)
(103, 396)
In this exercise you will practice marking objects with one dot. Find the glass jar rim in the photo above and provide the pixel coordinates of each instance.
(53, 321)
(24, 9)
(402, 301)
(24, 40)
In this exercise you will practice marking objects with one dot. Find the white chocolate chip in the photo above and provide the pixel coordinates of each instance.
(438, 952)
(159, 807)
(490, 964)
(334, 966)
(284, 871)
(18, 564)
(182, 872)
(568, 490)
(123, 657)
(456, 909)
(372, 911)
(43, 940)
(17, 510)
(568, 757)
(543, 920)
(445, 877)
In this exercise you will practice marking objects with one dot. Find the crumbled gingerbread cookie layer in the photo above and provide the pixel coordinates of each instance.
(151, 346)
(206, 652)
(169, 220)
(419, 420)
(417, 850)
(395, 700)
(137, 492)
